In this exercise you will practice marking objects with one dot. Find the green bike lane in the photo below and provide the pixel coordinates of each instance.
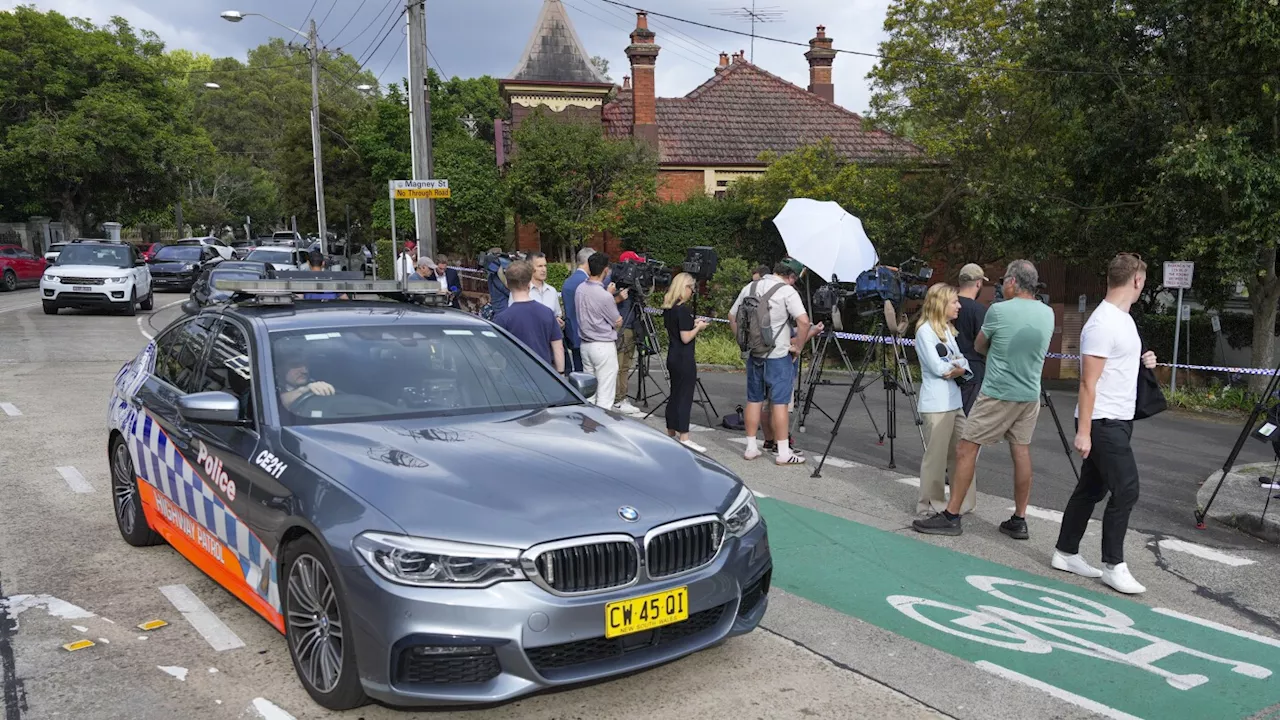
(1098, 650)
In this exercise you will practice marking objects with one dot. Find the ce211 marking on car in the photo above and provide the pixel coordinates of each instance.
(272, 464)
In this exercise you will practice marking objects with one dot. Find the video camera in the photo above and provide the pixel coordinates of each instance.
(493, 262)
(701, 262)
(1040, 294)
(643, 276)
(880, 283)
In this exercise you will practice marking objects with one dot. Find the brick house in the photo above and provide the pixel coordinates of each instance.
(705, 140)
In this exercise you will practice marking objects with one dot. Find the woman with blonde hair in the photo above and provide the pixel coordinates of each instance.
(941, 366)
(682, 330)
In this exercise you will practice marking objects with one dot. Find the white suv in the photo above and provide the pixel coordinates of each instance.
(222, 248)
(97, 275)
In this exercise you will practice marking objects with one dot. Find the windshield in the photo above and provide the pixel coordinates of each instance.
(178, 253)
(377, 373)
(271, 256)
(109, 255)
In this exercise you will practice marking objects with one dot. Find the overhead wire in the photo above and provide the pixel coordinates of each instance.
(936, 63)
(326, 15)
(376, 15)
(672, 35)
(348, 22)
(247, 68)
(437, 62)
(699, 63)
(387, 67)
(308, 15)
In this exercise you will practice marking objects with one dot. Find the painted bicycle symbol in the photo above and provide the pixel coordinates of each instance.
(1046, 623)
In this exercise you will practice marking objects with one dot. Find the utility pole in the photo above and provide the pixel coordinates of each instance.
(314, 46)
(420, 124)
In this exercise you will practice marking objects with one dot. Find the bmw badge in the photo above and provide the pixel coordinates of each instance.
(628, 513)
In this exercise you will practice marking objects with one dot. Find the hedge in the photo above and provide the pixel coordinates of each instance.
(1157, 333)
(665, 231)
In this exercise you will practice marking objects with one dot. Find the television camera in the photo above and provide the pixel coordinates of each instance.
(493, 262)
(640, 276)
(701, 262)
(883, 283)
(1041, 295)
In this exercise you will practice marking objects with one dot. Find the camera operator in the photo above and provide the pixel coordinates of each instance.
(1014, 336)
(573, 340)
(626, 337)
(533, 323)
(1110, 353)
(598, 322)
(499, 292)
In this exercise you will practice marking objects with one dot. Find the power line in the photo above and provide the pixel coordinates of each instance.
(348, 22)
(938, 63)
(326, 15)
(437, 62)
(371, 22)
(699, 63)
(387, 67)
(308, 15)
(246, 68)
(366, 56)
(674, 35)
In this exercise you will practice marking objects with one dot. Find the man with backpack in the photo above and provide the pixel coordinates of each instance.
(760, 318)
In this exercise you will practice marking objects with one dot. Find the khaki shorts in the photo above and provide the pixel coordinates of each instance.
(991, 419)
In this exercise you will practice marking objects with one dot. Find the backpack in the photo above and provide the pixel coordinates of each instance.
(755, 335)
(734, 421)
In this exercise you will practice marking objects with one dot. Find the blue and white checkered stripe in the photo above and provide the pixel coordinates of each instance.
(161, 465)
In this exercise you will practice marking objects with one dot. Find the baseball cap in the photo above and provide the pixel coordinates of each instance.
(973, 271)
(630, 256)
(794, 264)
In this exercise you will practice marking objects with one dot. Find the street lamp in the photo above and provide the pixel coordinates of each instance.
(213, 86)
(364, 87)
(313, 48)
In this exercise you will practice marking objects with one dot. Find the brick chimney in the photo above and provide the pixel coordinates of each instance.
(724, 62)
(626, 82)
(820, 57)
(643, 54)
(740, 56)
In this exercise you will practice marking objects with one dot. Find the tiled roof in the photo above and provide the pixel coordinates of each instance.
(554, 52)
(743, 112)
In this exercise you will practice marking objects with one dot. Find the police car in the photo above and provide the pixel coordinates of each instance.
(426, 510)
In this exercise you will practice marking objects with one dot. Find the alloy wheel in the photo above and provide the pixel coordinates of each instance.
(124, 489)
(315, 623)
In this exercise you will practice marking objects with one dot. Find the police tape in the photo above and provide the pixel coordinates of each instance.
(858, 337)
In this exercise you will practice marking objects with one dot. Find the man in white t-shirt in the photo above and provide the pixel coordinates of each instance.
(777, 370)
(1110, 352)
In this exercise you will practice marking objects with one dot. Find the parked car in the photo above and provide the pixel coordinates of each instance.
(224, 250)
(97, 274)
(287, 236)
(148, 250)
(240, 249)
(19, 267)
(281, 258)
(176, 267)
(51, 255)
(205, 291)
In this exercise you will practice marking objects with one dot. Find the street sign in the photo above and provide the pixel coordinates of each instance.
(1186, 312)
(1216, 323)
(1177, 275)
(420, 189)
(1084, 303)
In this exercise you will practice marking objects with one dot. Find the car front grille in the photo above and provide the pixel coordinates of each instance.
(81, 281)
(416, 669)
(554, 657)
(588, 568)
(683, 548)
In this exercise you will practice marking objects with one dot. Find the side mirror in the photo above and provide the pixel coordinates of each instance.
(210, 407)
(584, 383)
(190, 307)
(140, 262)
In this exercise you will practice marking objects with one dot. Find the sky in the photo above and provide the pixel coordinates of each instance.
(469, 38)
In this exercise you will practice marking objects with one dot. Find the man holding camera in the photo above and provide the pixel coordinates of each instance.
(572, 340)
(499, 292)
(598, 322)
(627, 338)
(1015, 336)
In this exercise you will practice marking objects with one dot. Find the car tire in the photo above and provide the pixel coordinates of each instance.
(148, 303)
(10, 281)
(310, 589)
(126, 502)
(132, 307)
(50, 308)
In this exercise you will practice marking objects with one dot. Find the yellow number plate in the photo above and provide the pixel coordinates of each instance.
(646, 613)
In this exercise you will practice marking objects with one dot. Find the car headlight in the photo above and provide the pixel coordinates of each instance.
(743, 515)
(189, 266)
(117, 280)
(438, 563)
(51, 278)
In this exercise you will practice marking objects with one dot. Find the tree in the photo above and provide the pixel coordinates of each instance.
(573, 182)
(92, 127)
(601, 64)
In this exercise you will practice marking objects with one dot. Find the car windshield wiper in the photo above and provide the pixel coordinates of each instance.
(565, 403)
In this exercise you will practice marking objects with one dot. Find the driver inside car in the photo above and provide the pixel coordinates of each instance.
(297, 384)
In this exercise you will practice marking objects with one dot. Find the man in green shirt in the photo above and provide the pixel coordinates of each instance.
(1014, 337)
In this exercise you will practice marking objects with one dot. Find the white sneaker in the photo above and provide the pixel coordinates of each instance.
(751, 454)
(1118, 577)
(693, 446)
(1074, 564)
(626, 407)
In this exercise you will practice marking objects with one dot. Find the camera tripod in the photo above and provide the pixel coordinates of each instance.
(1266, 406)
(701, 397)
(1047, 401)
(895, 378)
(646, 341)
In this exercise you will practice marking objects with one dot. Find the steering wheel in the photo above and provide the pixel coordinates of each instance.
(339, 405)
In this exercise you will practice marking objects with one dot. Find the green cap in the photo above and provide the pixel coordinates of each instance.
(794, 265)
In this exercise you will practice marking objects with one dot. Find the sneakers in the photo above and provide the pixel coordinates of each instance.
(626, 407)
(1118, 577)
(693, 446)
(1074, 564)
(1015, 527)
(751, 454)
(938, 524)
(794, 458)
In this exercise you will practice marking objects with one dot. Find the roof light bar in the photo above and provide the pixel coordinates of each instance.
(424, 291)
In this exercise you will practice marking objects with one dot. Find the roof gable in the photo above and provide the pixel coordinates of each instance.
(554, 52)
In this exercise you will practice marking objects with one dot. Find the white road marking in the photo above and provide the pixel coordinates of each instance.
(1201, 551)
(202, 618)
(74, 479)
(178, 672)
(701, 428)
(1057, 692)
(142, 329)
(1042, 513)
(104, 641)
(62, 609)
(213, 670)
(740, 440)
(757, 493)
(80, 628)
(269, 710)
(1218, 626)
(835, 462)
(912, 481)
(10, 409)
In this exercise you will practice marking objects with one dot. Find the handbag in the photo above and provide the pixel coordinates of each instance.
(1150, 397)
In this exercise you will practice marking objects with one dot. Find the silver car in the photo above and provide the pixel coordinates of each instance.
(426, 510)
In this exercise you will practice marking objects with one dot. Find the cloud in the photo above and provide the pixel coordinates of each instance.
(100, 13)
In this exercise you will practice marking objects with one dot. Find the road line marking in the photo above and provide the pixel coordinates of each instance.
(143, 330)
(269, 710)
(178, 672)
(202, 618)
(1218, 626)
(1057, 692)
(740, 440)
(912, 481)
(75, 480)
(758, 494)
(1201, 551)
(10, 409)
(701, 428)
(836, 462)
(1042, 513)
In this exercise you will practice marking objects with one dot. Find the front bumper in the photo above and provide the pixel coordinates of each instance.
(172, 282)
(523, 639)
(84, 296)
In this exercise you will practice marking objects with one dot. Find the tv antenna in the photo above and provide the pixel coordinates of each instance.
(769, 14)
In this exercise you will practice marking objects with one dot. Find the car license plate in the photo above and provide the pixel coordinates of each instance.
(81, 288)
(646, 613)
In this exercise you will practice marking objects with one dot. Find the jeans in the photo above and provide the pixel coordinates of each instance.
(601, 359)
(1110, 468)
(776, 374)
